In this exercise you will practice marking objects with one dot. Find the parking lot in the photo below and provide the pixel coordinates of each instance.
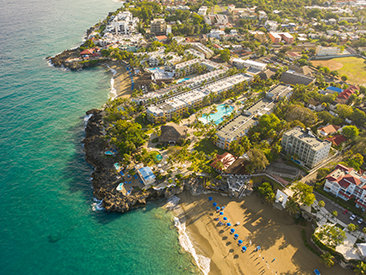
(331, 206)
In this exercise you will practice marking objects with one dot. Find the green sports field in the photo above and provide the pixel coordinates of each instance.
(353, 67)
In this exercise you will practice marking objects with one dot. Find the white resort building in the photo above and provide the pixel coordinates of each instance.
(347, 183)
(310, 149)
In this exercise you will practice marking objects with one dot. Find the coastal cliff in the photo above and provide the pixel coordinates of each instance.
(71, 59)
(105, 177)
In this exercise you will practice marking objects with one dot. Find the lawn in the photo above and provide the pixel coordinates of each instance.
(217, 9)
(208, 147)
(353, 67)
(261, 179)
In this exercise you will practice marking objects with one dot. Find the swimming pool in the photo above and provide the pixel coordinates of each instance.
(109, 153)
(159, 157)
(183, 79)
(116, 165)
(218, 116)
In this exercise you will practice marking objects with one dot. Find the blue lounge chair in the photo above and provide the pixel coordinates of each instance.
(317, 272)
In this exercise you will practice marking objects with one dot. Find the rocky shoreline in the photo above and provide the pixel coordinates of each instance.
(104, 177)
(65, 58)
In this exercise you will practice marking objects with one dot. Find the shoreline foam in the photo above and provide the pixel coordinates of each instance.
(185, 242)
(113, 92)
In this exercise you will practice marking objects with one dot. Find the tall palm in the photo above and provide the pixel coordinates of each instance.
(292, 206)
(360, 268)
(327, 259)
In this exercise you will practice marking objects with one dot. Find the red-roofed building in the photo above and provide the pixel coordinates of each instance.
(347, 183)
(161, 38)
(293, 55)
(343, 97)
(336, 140)
(87, 52)
(222, 162)
(328, 130)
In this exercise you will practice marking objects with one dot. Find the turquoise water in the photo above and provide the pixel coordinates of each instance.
(116, 165)
(218, 116)
(47, 223)
(183, 79)
(159, 157)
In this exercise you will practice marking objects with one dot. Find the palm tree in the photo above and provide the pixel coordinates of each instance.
(327, 259)
(292, 206)
(360, 268)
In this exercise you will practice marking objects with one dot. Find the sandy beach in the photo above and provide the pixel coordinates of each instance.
(122, 80)
(261, 224)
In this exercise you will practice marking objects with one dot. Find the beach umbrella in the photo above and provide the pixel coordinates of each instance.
(240, 242)
(225, 219)
(228, 224)
(232, 230)
(214, 204)
(223, 207)
(236, 236)
(258, 247)
(221, 213)
(210, 198)
(244, 248)
(217, 208)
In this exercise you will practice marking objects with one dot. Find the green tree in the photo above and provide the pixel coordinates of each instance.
(358, 117)
(352, 227)
(360, 268)
(258, 159)
(292, 206)
(321, 203)
(304, 115)
(335, 213)
(303, 193)
(325, 116)
(322, 172)
(350, 131)
(344, 78)
(344, 111)
(265, 190)
(355, 161)
(225, 55)
(327, 259)
(330, 235)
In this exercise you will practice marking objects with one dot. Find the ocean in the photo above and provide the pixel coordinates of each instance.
(47, 222)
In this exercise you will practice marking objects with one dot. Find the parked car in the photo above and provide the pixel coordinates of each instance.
(360, 221)
(352, 217)
(345, 211)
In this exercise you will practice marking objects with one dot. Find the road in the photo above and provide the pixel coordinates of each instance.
(310, 178)
(331, 206)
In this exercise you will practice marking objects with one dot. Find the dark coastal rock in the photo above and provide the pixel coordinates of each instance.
(104, 176)
(63, 60)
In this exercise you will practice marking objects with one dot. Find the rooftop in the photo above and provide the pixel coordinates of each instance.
(226, 159)
(241, 123)
(307, 136)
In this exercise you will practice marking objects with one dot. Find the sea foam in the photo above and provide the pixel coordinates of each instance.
(97, 205)
(86, 118)
(113, 91)
(202, 262)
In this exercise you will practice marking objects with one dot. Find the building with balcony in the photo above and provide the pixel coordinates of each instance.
(347, 183)
(310, 149)
(202, 11)
(158, 26)
(240, 125)
(180, 104)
